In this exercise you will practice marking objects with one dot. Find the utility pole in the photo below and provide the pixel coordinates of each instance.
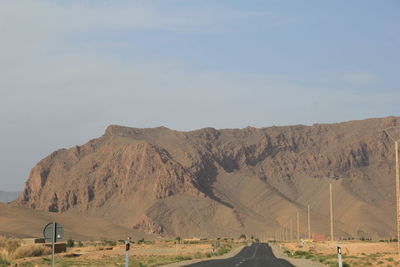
(397, 196)
(298, 228)
(309, 228)
(285, 227)
(331, 209)
(291, 230)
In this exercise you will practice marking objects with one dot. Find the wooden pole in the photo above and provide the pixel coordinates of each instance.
(309, 228)
(286, 236)
(291, 230)
(298, 228)
(331, 209)
(397, 197)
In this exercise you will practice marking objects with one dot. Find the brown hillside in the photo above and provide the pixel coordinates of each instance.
(27, 223)
(212, 182)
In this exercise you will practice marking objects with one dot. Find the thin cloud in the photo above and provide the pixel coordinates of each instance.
(55, 94)
(361, 78)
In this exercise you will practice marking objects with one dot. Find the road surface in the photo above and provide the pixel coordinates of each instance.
(256, 255)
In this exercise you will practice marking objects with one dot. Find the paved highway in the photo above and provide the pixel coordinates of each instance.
(256, 255)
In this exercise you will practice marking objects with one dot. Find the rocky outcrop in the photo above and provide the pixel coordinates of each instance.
(128, 170)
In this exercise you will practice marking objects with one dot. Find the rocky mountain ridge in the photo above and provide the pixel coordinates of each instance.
(204, 182)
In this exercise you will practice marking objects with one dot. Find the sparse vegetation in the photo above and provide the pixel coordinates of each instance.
(108, 243)
(31, 250)
(373, 254)
(11, 249)
(70, 243)
(4, 262)
(95, 253)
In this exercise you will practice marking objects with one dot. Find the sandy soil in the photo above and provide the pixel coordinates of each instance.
(232, 253)
(348, 247)
(278, 252)
(110, 255)
(355, 253)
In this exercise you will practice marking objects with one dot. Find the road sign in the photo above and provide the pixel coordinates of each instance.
(53, 232)
(58, 233)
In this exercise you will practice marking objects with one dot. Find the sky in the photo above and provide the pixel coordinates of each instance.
(68, 69)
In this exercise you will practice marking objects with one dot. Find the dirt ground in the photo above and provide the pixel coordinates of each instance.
(149, 254)
(354, 253)
(159, 249)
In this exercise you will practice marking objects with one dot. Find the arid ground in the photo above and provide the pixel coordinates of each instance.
(354, 253)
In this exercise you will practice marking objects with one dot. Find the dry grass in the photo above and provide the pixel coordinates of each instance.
(145, 254)
(7, 248)
(355, 253)
(11, 249)
(31, 250)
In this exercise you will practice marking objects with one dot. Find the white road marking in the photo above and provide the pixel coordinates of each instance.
(254, 255)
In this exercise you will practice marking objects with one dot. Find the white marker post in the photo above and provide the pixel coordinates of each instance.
(127, 248)
(339, 253)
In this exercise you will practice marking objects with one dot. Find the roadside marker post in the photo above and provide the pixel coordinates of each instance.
(127, 248)
(339, 253)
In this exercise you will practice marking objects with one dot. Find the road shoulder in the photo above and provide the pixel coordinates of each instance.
(296, 262)
(230, 254)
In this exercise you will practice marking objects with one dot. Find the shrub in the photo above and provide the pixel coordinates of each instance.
(108, 243)
(70, 243)
(80, 244)
(182, 258)
(198, 255)
(4, 262)
(222, 251)
(300, 253)
(9, 245)
(31, 250)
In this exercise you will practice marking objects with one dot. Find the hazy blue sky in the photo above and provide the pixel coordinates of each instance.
(70, 68)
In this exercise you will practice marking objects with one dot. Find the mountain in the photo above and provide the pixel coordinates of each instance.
(211, 182)
(8, 196)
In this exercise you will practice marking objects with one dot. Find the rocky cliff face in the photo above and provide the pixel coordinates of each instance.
(204, 182)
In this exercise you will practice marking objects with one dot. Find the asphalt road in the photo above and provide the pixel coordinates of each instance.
(256, 255)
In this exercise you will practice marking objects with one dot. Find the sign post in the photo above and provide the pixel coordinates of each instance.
(339, 252)
(127, 248)
(53, 232)
(53, 241)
